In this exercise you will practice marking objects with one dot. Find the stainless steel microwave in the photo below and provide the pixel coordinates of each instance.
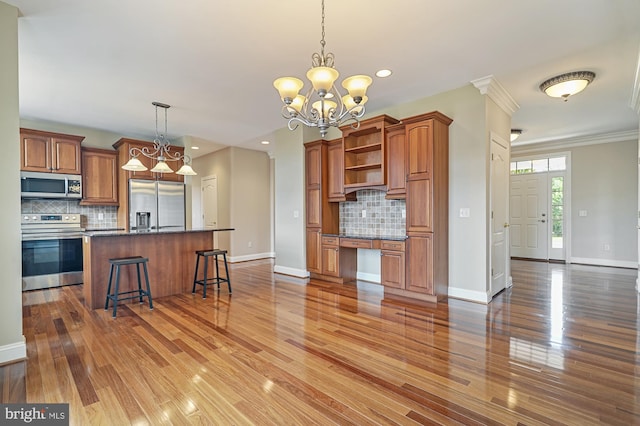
(50, 185)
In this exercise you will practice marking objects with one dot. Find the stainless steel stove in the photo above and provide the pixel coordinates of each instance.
(51, 250)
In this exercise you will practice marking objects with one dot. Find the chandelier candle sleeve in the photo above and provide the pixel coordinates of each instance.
(314, 109)
(161, 152)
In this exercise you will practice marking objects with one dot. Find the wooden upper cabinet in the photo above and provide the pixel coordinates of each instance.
(365, 153)
(427, 135)
(50, 152)
(100, 177)
(396, 162)
(335, 172)
(420, 149)
(313, 163)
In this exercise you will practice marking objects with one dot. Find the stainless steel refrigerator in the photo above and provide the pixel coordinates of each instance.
(164, 201)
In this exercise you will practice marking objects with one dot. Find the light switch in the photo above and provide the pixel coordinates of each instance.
(582, 213)
(465, 212)
(296, 214)
(364, 213)
(404, 214)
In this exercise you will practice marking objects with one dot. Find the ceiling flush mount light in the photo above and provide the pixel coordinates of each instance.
(515, 133)
(161, 152)
(315, 109)
(568, 84)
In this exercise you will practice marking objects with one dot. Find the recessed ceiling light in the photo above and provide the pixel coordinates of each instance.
(265, 142)
(383, 73)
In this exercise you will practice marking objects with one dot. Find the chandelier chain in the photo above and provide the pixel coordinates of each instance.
(322, 42)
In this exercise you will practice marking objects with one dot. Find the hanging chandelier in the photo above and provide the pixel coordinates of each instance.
(323, 106)
(160, 151)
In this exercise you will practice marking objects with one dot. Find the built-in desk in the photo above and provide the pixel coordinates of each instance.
(171, 256)
(339, 258)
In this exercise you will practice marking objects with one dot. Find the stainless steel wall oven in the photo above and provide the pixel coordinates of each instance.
(51, 250)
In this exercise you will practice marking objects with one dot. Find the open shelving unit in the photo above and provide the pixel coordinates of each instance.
(364, 153)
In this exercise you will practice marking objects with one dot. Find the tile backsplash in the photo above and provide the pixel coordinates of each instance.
(382, 218)
(93, 217)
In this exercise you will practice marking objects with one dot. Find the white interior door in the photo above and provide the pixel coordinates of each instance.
(209, 185)
(499, 214)
(529, 198)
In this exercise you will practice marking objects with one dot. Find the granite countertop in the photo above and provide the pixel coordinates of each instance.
(369, 237)
(114, 232)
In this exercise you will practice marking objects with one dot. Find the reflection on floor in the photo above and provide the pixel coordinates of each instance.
(559, 347)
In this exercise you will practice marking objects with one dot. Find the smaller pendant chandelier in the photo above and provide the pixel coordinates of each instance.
(161, 152)
(323, 106)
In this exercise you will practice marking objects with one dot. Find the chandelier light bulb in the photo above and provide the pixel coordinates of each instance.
(322, 78)
(328, 106)
(288, 87)
(357, 86)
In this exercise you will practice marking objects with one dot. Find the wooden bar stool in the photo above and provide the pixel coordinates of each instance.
(213, 280)
(116, 296)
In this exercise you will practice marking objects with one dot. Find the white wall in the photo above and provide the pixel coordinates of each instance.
(12, 342)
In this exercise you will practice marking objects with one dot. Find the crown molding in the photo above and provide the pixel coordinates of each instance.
(635, 94)
(534, 146)
(491, 87)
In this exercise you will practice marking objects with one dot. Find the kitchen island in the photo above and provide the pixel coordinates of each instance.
(171, 255)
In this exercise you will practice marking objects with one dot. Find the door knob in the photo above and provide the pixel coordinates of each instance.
(542, 220)
(506, 225)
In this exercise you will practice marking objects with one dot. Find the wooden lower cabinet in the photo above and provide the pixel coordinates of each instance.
(420, 264)
(338, 263)
(392, 264)
(314, 254)
(331, 256)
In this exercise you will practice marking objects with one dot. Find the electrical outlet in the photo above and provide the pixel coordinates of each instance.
(606, 247)
(364, 213)
(250, 244)
(465, 212)
(404, 214)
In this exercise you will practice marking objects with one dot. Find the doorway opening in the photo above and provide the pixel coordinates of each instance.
(540, 207)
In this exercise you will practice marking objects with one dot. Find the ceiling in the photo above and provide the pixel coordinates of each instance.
(100, 64)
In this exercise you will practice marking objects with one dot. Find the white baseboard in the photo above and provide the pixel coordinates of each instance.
(372, 278)
(300, 273)
(605, 262)
(471, 295)
(13, 352)
(245, 258)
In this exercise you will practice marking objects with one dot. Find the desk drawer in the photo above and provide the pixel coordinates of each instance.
(356, 243)
(392, 245)
(330, 241)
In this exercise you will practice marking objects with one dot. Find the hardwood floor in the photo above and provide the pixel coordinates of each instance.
(559, 347)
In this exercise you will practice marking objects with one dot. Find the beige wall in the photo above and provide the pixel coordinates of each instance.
(468, 171)
(604, 183)
(12, 344)
(244, 191)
